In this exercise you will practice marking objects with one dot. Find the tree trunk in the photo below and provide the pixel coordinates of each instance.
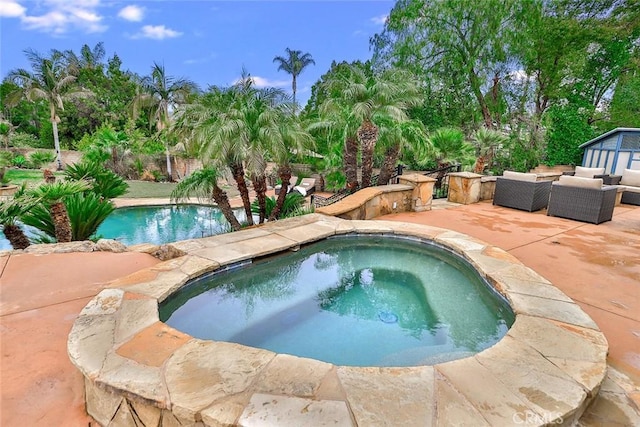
(16, 236)
(389, 164)
(237, 170)
(56, 142)
(368, 135)
(61, 222)
(294, 87)
(284, 172)
(221, 199)
(351, 162)
(169, 170)
(475, 87)
(260, 187)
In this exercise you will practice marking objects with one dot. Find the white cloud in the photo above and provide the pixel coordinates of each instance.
(11, 9)
(131, 13)
(380, 20)
(61, 16)
(156, 32)
(261, 82)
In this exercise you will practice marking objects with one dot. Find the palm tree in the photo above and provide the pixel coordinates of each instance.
(49, 80)
(487, 141)
(54, 194)
(397, 136)
(374, 98)
(162, 94)
(203, 183)
(294, 63)
(450, 147)
(10, 213)
(89, 59)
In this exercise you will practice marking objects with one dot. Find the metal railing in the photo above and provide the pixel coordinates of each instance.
(441, 186)
(319, 201)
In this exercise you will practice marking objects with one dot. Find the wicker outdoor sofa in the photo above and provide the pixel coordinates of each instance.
(521, 191)
(582, 199)
(630, 180)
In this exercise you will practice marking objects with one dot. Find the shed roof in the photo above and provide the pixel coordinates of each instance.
(605, 135)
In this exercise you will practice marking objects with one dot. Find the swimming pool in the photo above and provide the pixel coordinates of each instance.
(164, 224)
(351, 301)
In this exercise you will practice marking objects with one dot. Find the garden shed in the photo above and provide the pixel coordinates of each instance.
(615, 151)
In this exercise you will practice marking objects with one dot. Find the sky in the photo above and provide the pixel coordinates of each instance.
(207, 41)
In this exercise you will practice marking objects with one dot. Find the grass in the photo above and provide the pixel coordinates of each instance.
(146, 189)
(32, 177)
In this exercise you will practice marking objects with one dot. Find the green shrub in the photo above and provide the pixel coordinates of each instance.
(19, 161)
(39, 158)
(104, 182)
(25, 140)
(293, 202)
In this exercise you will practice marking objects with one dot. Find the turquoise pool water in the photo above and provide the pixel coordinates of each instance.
(163, 224)
(156, 224)
(358, 301)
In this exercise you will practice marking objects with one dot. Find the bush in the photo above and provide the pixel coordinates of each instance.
(292, 205)
(104, 182)
(39, 158)
(19, 161)
(22, 140)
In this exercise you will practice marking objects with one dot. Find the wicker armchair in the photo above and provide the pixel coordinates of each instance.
(594, 205)
(524, 195)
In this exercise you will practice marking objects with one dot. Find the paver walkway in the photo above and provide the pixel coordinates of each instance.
(598, 266)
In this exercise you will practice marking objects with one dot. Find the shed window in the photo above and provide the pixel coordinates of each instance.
(630, 141)
(610, 142)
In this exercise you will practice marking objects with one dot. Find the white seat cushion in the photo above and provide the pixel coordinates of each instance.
(588, 172)
(520, 176)
(577, 181)
(631, 177)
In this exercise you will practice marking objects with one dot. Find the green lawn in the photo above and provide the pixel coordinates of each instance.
(146, 189)
(32, 177)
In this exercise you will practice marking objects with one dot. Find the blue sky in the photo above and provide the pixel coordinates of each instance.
(205, 40)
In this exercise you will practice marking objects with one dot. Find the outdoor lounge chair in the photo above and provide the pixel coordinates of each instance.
(292, 183)
(521, 191)
(306, 186)
(631, 181)
(582, 199)
(583, 172)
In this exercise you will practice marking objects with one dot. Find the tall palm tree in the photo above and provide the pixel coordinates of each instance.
(89, 59)
(487, 141)
(162, 94)
(398, 136)
(203, 183)
(54, 194)
(374, 97)
(50, 80)
(294, 63)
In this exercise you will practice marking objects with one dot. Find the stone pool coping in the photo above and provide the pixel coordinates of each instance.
(546, 369)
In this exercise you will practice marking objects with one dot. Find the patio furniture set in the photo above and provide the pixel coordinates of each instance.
(586, 194)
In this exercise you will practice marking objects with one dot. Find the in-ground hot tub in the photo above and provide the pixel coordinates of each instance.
(139, 371)
(352, 301)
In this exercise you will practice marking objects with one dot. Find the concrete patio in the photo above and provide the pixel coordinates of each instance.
(597, 266)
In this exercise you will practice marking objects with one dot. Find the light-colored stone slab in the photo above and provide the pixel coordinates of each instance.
(567, 312)
(367, 227)
(553, 341)
(416, 230)
(291, 375)
(504, 284)
(610, 409)
(345, 228)
(135, 315)
(166, 283)
(484, 391)
(110, 245)
(461, 244)
(106, 302)
(549, 390)
(187, 246)
(271, 410)
(453, 409)
(588, 374)
(141, 380)
(124, 417)
(308, 232)
(224, 254)
(270, 244)
(381, 396)
(237, 236)
(226, 411)
(201, 372)
(147, 415)
(101, 404)
(194, 266)
(90, 339)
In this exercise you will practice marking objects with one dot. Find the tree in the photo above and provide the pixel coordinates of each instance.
(396, 137)
(294, 63)
(372, 98)
(54, 194)
(203, 183)
(49, 80)
(10, 213)
(451, 148)
(487, 142)
(162, 94)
